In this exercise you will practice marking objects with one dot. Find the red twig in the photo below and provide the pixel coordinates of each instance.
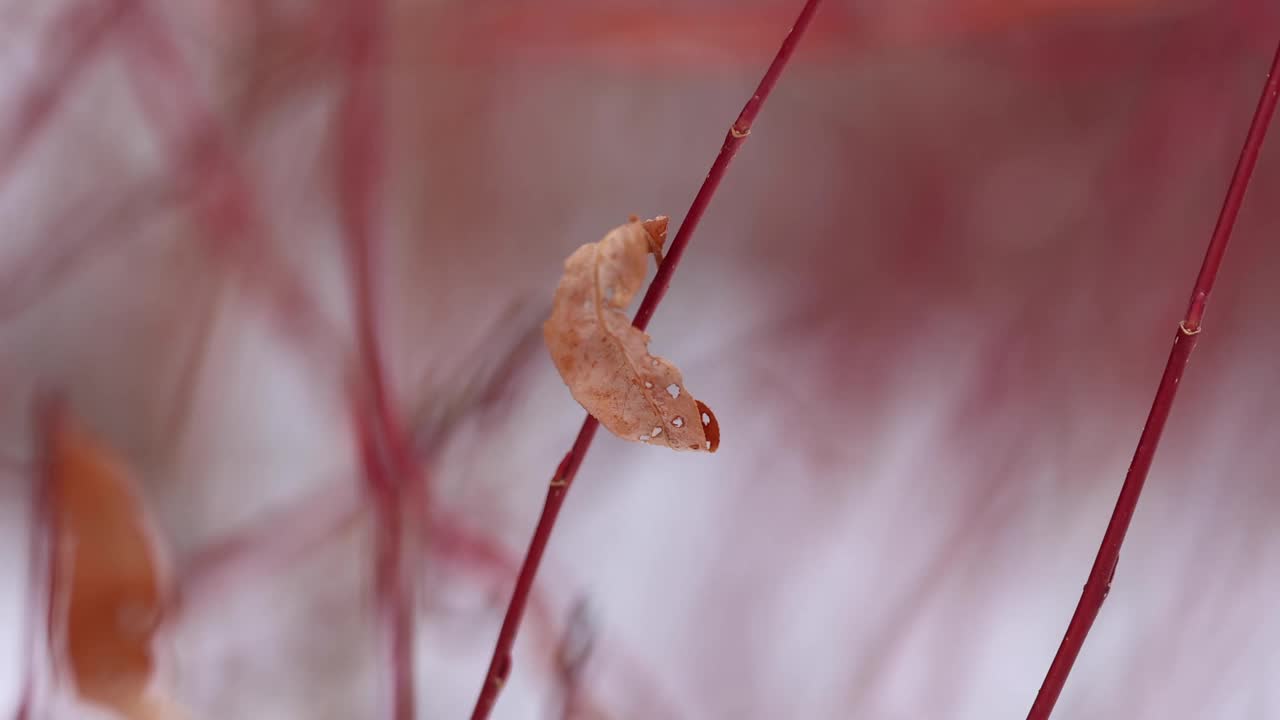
(738, 132)
(500, 664)
(80, 31)
(1104, 565)
(261, 547)
(233, 211)
(385, 444)
(209, 170)
(394, 603)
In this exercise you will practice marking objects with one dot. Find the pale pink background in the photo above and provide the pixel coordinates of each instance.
(929, 307)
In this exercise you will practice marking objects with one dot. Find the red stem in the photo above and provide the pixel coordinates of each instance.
(81, 31)
(738, 133)
(386, 456)
(500, 664)
(261, 547)
(1104, 565)
(395, 605)
(205, 160)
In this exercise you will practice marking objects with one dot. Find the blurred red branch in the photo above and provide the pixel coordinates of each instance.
(262, 547)
(383, 442)
(1104, 565)
(210, 170)
(500, 665)
(197, 136)
(78, 33)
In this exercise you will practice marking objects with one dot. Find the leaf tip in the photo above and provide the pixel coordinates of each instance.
(710, 426)
(656, 230)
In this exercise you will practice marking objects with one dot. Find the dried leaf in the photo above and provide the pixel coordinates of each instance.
(108, 589)
(605, 360)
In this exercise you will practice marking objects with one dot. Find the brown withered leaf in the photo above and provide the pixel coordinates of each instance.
(605, 360)
(108, 587)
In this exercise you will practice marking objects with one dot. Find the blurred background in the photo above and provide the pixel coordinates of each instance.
(930, 307)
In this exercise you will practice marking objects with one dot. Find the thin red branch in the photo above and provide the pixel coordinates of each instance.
(1104, 565)
(262, 547)
(359, 174)
(1235, 198)
(500, 664)
(738, 133)
(386, 449)
(207, 164)
(196, 134)
(395, 604)
(78, 35)
(86, 237)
